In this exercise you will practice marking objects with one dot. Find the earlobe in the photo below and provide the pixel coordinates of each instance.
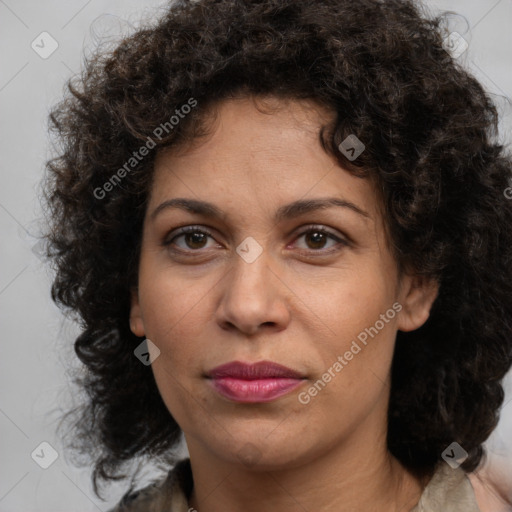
(136, 322)
(419, 294)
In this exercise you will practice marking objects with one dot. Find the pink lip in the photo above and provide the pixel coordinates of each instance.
(260, 382)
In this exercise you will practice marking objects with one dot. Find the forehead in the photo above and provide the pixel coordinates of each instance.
(259, 154)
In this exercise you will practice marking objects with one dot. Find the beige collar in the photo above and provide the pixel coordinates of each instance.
(449, 490)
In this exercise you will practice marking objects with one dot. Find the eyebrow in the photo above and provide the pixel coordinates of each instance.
(288, 211)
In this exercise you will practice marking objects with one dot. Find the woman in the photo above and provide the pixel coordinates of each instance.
(283, 227)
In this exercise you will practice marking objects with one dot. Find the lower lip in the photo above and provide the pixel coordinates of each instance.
(252, 391)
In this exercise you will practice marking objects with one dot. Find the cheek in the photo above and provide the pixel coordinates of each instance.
(354, 361)
(350, 300)
(175, 313)
(357, 323)
(172, 302)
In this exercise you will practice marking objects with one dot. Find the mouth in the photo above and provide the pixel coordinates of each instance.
(252, 383)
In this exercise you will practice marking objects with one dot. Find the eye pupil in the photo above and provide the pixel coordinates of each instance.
(317, 237)
(195, 238)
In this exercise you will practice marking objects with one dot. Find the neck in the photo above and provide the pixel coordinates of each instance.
(352, 477)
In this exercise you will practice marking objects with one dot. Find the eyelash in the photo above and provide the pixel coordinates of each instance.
(311, 229)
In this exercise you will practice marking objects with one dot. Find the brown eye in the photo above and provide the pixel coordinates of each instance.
(195, 240)
(192, 239)
(316, 238)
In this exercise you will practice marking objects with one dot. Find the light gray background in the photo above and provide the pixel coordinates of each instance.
(37, 342)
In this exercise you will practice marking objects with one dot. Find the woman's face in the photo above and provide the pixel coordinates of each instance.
(260, 281)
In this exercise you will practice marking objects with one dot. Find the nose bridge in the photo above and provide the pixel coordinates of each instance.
(251, 298)
(250, 274)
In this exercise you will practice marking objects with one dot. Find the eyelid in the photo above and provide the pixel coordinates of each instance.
(322, 228)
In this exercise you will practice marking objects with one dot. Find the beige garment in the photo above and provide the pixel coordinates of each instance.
(449, 490)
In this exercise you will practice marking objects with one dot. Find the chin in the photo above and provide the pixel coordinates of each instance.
(261, 454)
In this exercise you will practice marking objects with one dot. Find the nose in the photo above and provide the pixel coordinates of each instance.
(254, 297)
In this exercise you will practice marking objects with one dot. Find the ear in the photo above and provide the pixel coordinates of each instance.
(136, 322)
(417, 296)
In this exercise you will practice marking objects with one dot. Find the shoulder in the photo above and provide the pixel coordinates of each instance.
(170, 494)
(449, 490)
(493, 491)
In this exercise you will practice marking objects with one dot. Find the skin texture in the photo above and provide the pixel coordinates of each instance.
(492, 487)
(297, 304)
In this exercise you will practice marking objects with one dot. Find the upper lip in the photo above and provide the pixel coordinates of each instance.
(254, 371)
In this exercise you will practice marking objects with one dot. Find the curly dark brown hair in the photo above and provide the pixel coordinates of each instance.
(430, 132)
